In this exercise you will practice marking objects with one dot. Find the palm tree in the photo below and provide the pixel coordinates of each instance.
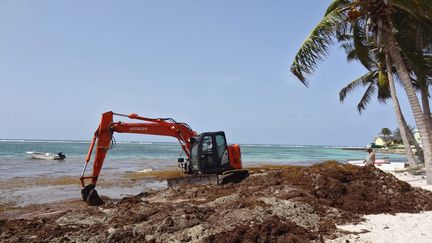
(403, 127)
(375, 79)
(371, 80)
(358, 47)
(395, 58)
(386, 131)
(376, 17)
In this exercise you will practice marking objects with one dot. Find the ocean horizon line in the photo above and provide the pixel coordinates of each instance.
(35, 140)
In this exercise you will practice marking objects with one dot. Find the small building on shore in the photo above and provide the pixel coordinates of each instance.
(385, 141)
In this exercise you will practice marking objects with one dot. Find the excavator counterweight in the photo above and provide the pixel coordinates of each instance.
(210, 160)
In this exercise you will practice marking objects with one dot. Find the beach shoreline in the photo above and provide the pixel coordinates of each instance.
(399, 151)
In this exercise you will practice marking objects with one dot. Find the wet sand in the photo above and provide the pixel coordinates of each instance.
(20, 191)
(285, 204)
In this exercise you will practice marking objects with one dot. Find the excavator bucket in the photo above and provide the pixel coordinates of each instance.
(90, 195)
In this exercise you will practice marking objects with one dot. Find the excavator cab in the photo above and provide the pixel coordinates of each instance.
(209, 154)
(211, 161)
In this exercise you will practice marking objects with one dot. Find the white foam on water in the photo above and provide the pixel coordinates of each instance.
(145, 170)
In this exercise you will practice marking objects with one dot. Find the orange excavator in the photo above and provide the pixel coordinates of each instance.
(209, 158)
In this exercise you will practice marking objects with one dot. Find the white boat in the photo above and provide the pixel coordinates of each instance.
(47, 156)
(383, 164)
(362, 162)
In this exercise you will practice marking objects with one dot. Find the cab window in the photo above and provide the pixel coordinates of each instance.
(207, 145)
(221, 145)
(194, 157)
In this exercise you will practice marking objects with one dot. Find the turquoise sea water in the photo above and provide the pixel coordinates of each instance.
(135, 156)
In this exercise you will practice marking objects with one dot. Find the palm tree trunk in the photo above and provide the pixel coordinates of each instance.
(399, 116)
(418, 114)
(411, 138)
(425, 104)
(413, 141)
(423, 85)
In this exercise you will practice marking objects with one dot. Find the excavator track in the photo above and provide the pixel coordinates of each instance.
(210, 179)
(232, 176)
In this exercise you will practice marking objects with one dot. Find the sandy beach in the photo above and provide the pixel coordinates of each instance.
(394, 228)
(399, 228)
(329, 202)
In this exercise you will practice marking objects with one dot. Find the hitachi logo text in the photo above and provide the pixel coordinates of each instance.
(138, 129)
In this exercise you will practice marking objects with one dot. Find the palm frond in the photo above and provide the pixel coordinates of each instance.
(316, 45)
(414, 41)
(352, 56)
(419, 61)
(361, 46)
(353, 85)
(366, 98)
(334, 5)
(421, 10)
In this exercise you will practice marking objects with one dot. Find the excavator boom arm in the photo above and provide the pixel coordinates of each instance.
(103, 136)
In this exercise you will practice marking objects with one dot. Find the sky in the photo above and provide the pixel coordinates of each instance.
(216, 65)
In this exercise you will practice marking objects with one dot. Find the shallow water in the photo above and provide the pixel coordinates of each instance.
(134, 156)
